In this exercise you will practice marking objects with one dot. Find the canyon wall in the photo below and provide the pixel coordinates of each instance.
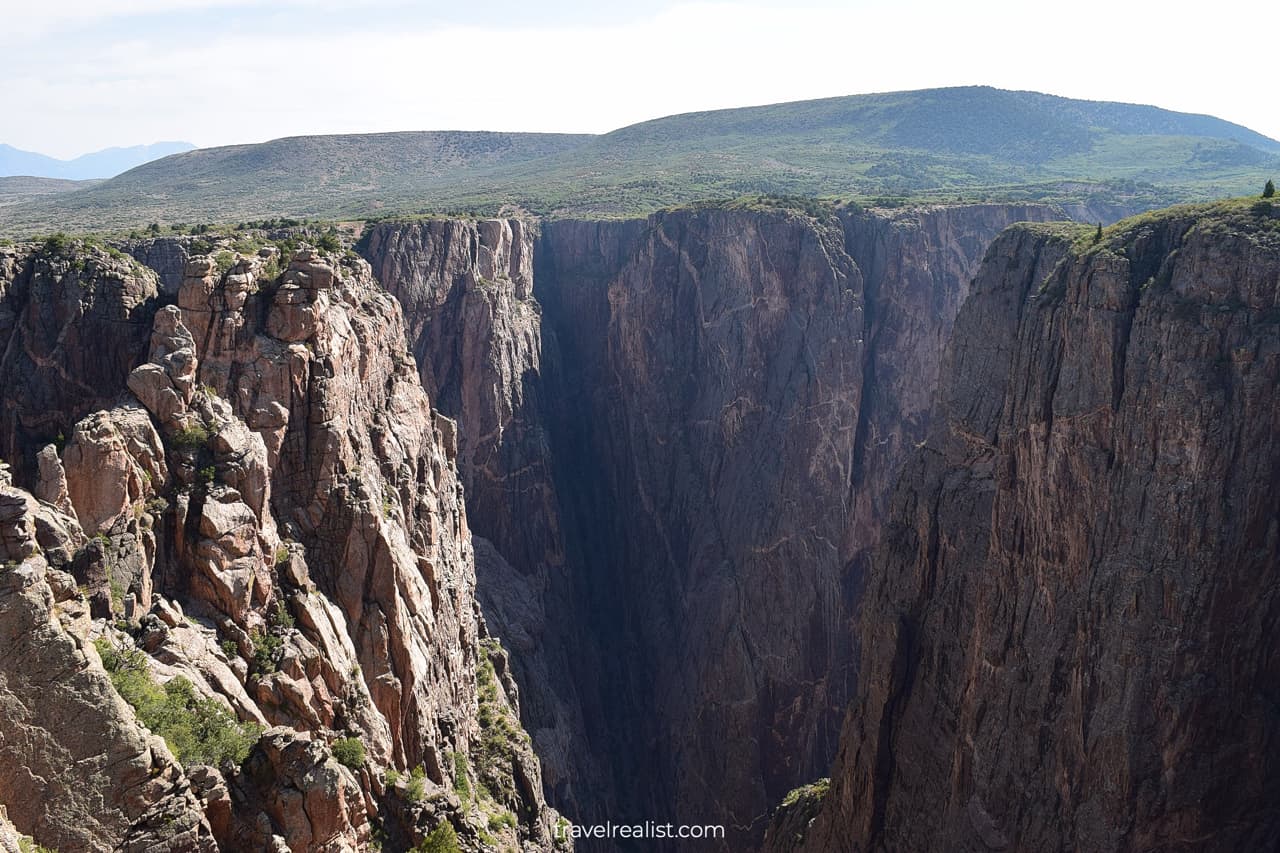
(676, 439)
(1069, 633)
(245, 497)
(678, 436)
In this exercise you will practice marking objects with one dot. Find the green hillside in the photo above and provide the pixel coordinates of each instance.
(974, 142)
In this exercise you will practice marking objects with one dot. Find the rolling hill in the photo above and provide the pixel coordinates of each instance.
(17, 189)
(973, 142)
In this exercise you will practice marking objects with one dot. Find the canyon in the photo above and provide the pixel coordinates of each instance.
(648, 519)
(680, 433)
(1068, 637)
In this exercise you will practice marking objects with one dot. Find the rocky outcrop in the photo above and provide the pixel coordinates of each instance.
(476, 331)
(80, 773)
(166, 256)
(308, 801)
(273, 508)
(1068, 635)
(9, 836)
(683, 432)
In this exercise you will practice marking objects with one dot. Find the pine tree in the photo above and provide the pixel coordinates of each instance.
(1269, 190)
(1097, 235)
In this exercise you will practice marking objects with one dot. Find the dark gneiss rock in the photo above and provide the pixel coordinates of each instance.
(1069, 636)
(680, 435)
(74, 320)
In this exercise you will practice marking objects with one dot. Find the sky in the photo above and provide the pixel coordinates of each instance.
(81, 75)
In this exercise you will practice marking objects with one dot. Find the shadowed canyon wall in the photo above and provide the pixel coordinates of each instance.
(678, 437)
(1069, 633)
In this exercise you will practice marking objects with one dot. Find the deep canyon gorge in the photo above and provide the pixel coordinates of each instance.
(656, 518)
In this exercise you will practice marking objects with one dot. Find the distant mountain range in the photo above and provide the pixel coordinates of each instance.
(106, 163)
(971, 143)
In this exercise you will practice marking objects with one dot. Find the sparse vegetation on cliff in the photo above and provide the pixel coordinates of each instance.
(349, 752)
(442, 839)
(197, 730)
(813, 791)
(191, 438)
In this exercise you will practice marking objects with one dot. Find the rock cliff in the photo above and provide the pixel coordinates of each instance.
(678, 434)
(80, 773)
(256, 509)
(676, 440)
(1068, 635)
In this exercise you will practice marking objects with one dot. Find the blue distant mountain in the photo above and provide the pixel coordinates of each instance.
(106, 163)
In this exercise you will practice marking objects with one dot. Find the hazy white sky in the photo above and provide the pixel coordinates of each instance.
(79, 75)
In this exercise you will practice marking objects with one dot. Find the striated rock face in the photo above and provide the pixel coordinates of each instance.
(735, 350)
(684, 442)
(917, 266)
(273, 507)
(1068, 635)
(72, 326)
(475, 329)
(166, 256)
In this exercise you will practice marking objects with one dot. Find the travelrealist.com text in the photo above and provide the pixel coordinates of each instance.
(648, 829)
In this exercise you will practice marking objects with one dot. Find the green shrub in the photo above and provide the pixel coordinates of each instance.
(349, 752)
(207, 474)
(501, 736)
(392, 777)
(56, 244)
(224, 260)
(562, 833)
(443, 839)
(270, 270)
(814, 791)
(461, 780)
(191, 438)
(117, 593)
(281, 616)
(27, 844)
(197, 730)
(417, 787)
(505, 819)
(266, 651)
